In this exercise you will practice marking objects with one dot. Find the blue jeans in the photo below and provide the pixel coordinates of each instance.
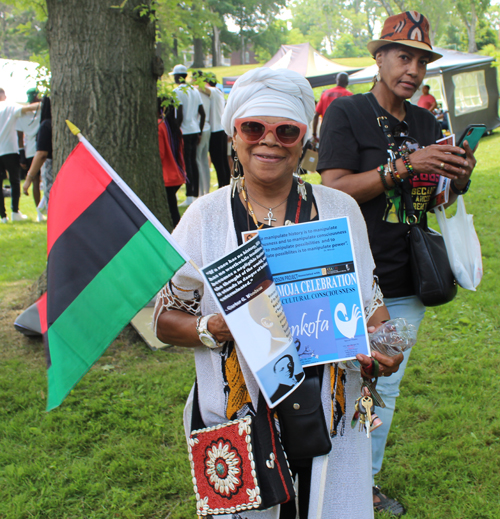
(413, 311)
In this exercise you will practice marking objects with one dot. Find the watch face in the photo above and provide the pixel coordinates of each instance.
(207, 341)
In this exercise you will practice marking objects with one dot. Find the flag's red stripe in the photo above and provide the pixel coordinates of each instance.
(41, 306)
(79, 182)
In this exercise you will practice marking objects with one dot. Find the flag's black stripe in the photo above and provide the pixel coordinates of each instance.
(87, 245)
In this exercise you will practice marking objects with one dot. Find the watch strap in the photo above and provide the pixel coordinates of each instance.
(457, 191)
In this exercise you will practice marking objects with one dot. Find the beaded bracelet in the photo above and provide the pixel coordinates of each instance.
(391, 172)
(396, 174)
(381, 172)
(406, 161)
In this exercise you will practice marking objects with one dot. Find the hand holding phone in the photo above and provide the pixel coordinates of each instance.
(472, 134)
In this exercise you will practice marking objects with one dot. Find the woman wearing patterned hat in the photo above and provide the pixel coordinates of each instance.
(354, 157)
(267, 115)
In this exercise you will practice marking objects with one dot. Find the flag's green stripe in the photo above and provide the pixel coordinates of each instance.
(85, 329)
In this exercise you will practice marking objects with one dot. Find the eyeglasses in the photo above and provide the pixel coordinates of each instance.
(253, 130)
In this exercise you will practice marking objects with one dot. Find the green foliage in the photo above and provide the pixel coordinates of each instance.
(494, 52)
(22, 29)
(485, 35)
(268, 41)
(336, 27)
(347, 46)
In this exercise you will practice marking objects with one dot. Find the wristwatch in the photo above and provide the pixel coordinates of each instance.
(205, 336)
(459, 191)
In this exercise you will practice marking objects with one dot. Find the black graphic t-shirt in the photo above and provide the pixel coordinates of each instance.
(352, 139)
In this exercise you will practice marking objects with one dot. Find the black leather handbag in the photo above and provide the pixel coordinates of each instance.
(304, 433)
(433, 279)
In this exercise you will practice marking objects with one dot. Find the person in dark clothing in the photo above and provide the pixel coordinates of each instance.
(191, 119)
(355, 157)
(42, 161)
(218, 137)
(171, 154)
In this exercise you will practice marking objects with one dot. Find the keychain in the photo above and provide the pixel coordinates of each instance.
(365, 404)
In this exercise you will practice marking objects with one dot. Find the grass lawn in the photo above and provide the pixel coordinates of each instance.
(115, 447)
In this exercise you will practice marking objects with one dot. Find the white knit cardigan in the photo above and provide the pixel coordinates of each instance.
(206, 232)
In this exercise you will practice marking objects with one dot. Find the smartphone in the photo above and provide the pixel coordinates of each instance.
(472, 134)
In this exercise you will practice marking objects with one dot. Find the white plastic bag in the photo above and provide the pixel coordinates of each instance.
(462, 245)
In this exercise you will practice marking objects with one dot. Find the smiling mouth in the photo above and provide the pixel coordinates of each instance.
(268, 156)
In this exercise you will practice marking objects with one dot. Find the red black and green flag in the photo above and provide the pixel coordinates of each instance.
(107, 257)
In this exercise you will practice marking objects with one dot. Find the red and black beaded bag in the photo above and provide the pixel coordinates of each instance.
(239, 465)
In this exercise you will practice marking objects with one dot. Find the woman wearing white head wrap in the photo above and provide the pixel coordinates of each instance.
(267, 115)
(275, 93)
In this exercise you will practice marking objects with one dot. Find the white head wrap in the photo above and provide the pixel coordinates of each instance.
(267, 92)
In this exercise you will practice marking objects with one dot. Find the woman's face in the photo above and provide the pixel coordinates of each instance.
(267, 162)
(402, 69)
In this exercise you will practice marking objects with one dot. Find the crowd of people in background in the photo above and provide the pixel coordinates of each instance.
(198, 114)
(25, 153)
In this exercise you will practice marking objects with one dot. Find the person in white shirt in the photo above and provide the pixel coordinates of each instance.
(218, 138)
(9, 152)
(189, 109)
(202, 148)
(27, 128)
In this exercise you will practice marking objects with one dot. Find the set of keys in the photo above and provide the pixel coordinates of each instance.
(365, 414)
(365, 404)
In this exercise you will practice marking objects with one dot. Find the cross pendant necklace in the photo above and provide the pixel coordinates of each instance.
(270, 215)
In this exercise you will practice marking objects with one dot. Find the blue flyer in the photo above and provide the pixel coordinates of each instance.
(314, 269)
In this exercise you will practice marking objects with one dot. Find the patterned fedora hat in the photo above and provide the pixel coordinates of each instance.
(410, 29)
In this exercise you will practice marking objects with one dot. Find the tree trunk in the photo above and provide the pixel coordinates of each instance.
(243, 49)
(102, 62)
(175, 50)
(216, 50)
(471, 28)
(199, 59)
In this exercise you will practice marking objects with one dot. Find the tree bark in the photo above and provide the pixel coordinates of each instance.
(243, 48)
(199, 58)
(175, 49)
(103, 63)
(216, 49)
(471, 28)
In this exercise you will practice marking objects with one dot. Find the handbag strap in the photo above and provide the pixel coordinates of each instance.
(382, 120)
(404, 187)
(411, 217)
(197, 420)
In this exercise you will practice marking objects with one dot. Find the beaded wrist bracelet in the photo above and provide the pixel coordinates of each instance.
(381, 172)
(396, 174)
(406, 161)
(393, 178)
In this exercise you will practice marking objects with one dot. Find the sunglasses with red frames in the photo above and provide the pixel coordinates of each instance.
(252, 131)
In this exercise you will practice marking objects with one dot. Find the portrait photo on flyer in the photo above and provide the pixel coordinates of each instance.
(242, 284)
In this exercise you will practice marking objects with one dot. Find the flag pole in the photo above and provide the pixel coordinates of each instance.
(76, 131)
